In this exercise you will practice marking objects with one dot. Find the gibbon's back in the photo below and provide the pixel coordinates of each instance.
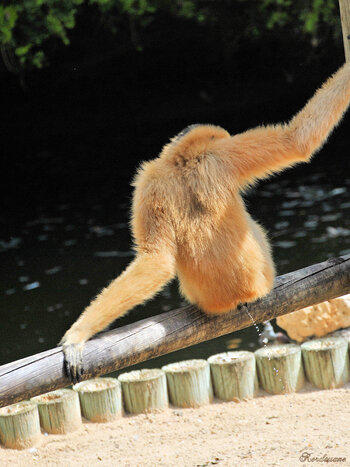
(191, 188)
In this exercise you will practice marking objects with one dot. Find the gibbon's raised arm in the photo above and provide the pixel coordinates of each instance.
(258, 152)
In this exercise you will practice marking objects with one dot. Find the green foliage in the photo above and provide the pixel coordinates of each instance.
(28, 26)
(306, 15)
(25, 26)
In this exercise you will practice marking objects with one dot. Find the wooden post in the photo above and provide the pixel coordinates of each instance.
(189, 383)
(344, 6)
(19, 425)
(344, 333)
(173, 330)
(234, 375)
(59, 411)
(280, 368)
(100, 399)
(144, 391)
(326, 362)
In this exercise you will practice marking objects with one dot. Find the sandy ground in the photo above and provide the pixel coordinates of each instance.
(286, 430)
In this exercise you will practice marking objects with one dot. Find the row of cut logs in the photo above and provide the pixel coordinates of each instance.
(230, 376)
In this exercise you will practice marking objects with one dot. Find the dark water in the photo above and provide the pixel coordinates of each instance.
(56, 257)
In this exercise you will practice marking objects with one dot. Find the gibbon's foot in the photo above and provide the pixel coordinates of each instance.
(73, 361)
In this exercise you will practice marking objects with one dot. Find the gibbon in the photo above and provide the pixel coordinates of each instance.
(189, 219)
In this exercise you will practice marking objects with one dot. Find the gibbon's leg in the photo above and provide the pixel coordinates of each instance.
(261, 151)
(144, 276)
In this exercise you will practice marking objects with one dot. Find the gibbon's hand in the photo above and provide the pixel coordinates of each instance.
(73, 362)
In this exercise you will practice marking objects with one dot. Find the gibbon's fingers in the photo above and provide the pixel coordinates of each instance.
(144, 276)
(73, 361)
(261, 151)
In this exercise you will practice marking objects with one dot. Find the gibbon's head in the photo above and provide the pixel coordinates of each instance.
(186, 130)
(193, 141)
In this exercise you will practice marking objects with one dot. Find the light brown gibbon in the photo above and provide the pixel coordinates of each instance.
(189, 220)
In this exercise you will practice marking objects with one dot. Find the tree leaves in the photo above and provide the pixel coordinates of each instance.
(8, 18)
(26, 27)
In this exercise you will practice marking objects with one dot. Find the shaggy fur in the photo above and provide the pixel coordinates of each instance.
(189, 220)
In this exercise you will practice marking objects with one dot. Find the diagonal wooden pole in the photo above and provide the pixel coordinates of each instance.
(344, 6)
(172, 331)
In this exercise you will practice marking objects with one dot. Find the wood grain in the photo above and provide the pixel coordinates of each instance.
(326, 362)
(174, 330)
(344, 6)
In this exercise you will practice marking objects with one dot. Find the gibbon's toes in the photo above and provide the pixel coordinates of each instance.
(73, 361)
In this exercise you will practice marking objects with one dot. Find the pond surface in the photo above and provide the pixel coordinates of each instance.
(59, 255)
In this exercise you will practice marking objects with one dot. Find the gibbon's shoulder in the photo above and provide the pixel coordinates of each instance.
(148, 173)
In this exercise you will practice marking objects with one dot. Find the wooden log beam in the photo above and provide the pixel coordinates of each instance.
(344, 7)
(174, 330)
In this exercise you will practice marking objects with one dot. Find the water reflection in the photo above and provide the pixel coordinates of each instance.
(113, 254)
(53, 264)
(33, 285)
(53, 270)
(14, 242)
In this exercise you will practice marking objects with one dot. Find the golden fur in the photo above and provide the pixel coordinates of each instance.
(189, 220)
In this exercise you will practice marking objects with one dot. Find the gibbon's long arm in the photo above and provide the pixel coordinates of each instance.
(144, 276)
(261, 151)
